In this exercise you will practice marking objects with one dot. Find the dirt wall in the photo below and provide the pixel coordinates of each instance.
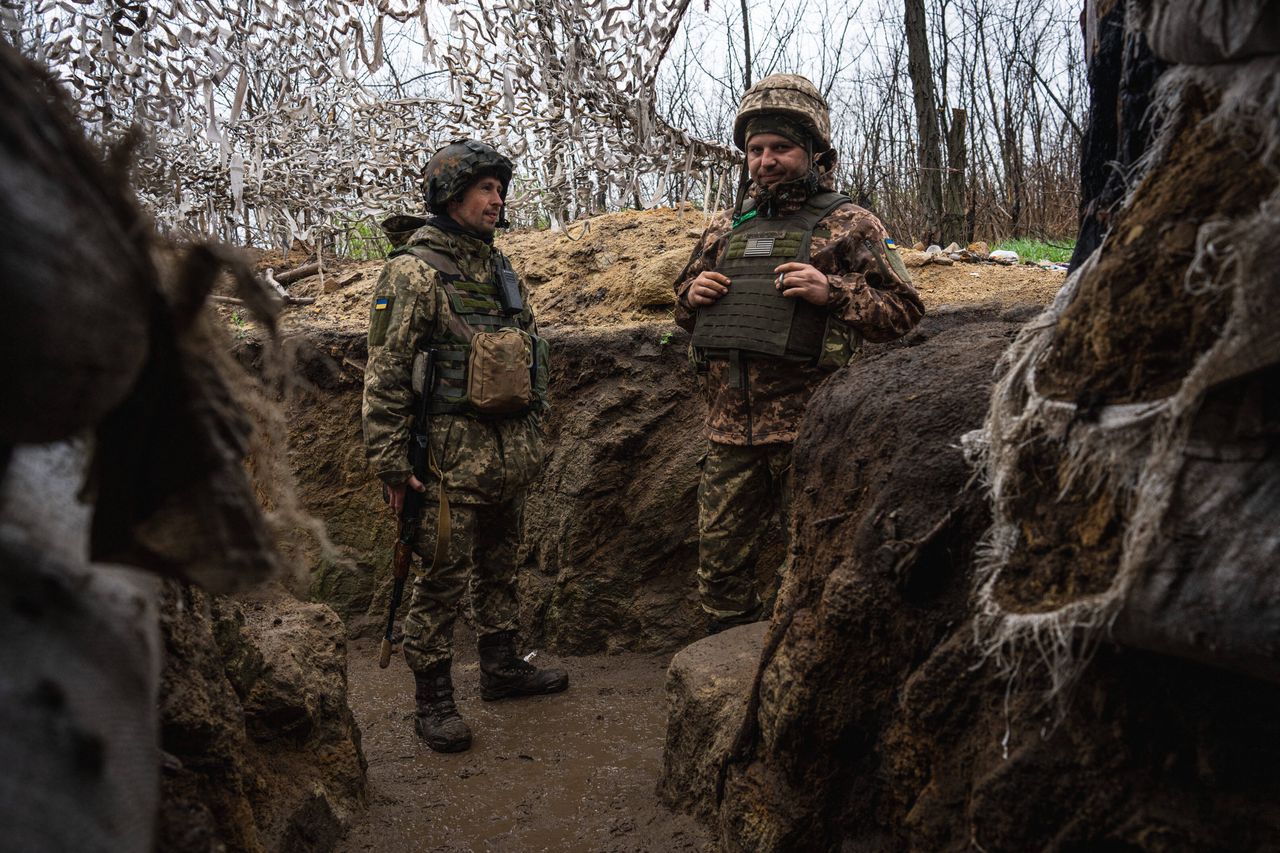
(609, 544)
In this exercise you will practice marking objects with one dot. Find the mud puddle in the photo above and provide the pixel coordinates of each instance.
(574, 771)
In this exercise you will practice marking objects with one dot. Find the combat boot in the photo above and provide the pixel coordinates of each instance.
(503, 673)
(438, 722)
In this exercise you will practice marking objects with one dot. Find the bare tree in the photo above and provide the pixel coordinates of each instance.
(926, 101)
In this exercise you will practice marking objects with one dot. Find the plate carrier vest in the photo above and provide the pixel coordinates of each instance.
(754, 317)
(477, 308)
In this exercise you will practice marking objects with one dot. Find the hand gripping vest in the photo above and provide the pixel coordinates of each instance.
(754, 317)
(474, 306)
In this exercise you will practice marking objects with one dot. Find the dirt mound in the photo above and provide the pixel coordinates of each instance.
(611, 525)
(1138, 325)
(884, 524)
(618, 269)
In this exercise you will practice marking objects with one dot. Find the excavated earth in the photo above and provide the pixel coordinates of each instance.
(606, 569)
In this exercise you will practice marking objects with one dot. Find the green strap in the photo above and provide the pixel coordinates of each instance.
(476, 287)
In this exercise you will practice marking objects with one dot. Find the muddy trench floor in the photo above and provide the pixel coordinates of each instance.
(568, 772)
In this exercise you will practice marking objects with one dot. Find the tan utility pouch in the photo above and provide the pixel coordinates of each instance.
(498, 375)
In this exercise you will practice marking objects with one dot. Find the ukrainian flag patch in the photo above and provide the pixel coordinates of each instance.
(888, 241)
(380, 304)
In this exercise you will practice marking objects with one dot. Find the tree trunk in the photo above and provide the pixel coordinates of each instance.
(1122, 73)
(953, 225)
(930, 150)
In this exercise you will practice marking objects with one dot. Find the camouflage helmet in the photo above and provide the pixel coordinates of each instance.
(792, 96)
(455, 166)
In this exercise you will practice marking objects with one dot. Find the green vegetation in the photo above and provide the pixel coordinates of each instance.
(362, 240)
(241, 326)
(1038, 250)
(664, 339)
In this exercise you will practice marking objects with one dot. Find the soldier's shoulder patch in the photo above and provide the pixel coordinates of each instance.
(890, 244)
(380, 304)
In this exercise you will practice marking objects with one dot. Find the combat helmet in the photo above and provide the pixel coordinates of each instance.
(452, 169)
(793, 96)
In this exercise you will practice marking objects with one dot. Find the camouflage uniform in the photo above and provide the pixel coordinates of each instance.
(753, 414)
(486, 462)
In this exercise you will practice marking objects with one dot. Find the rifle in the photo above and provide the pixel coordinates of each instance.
(411, 509)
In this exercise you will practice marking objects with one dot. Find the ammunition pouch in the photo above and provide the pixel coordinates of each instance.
(499, 372)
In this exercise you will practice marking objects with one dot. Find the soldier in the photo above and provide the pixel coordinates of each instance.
(447, 290)
(777, 295)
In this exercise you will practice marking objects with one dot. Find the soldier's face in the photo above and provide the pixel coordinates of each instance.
(774, 159)
(480, 206)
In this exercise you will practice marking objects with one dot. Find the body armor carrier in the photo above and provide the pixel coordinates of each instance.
(754, 318)
(474, 306)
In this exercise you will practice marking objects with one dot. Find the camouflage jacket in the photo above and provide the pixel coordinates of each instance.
(765, 404)
(484, 460)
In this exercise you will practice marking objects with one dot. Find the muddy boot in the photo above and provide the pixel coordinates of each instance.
(504, 674)
(437, 721)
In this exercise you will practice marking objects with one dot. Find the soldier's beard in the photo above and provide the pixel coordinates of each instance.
(770, 198)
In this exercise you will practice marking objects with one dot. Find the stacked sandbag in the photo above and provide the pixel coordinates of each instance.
(1131, 449)
(1205, 32)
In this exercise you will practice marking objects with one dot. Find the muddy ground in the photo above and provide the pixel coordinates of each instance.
(573, 771)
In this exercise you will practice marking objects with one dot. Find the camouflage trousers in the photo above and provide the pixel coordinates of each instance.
(481, 562)
(741, 489)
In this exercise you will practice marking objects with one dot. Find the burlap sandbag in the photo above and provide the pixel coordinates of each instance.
(1204, 32)
(1132, 448)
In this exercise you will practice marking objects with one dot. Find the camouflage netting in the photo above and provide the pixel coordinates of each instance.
(1130, 445)
(267, 121)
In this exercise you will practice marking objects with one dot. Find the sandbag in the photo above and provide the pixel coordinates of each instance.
(1203, 32)
(70, 352)
(1132, 449)
(79, 672)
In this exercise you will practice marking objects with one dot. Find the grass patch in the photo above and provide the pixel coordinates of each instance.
(1038, 250)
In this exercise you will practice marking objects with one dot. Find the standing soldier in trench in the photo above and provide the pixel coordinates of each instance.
(448, 316)
(777, 295)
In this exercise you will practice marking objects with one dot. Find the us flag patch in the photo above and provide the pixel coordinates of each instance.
(758, 247)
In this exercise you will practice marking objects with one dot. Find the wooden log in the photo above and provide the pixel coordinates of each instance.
(304, 271)
(288, 300)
